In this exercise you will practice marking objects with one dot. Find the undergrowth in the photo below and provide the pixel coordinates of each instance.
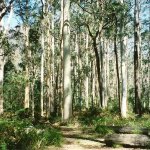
(100, 120)
(21, 134)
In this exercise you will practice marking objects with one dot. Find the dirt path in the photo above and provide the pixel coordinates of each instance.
(80, 144)
(77, 139)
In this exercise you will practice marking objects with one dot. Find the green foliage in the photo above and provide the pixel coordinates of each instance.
(14, 85)
(21, 135)
(103, 130)
(89, 116)
(100, 120)
(113, 106)
(3, 145)
(23, 113)
(52, 137)
(28, 140)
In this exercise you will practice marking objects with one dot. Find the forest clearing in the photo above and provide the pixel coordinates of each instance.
(74, 74)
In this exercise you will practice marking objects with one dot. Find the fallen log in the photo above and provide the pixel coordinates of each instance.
(128, 140)
(128, 130)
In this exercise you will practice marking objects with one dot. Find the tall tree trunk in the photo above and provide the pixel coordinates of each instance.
(97, 57)
(123, 46)
(53, 65)
(80, 71)
(32, 98)
(117, 66)
(124, 77)
(43, 56)
(98, 68)
(107, 71)
(49, 76)
(42, 75)
(106, 67)
(60, 79)
(67, 95)
(27, 70)
(137, 46)
(77, 66)
(1, 80)
(93, 77)
(86, 78)
(102, 59)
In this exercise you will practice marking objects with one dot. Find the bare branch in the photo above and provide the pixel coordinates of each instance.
(5, 10)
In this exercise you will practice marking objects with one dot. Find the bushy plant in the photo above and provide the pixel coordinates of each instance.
(3, 145)
(113, 106)
(23, 113)
(14, 85)
(90, 115)
(52, 137)
(28, 141)
(103, 130)
(22, 135)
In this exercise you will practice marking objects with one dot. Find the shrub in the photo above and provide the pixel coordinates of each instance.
(28, 141)
(2, 145)
(52, 137)
(23, 113)
(20, 135)
(103, 130)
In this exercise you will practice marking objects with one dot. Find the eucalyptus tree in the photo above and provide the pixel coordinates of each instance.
(48, 57)
(100, 17)
(116, 9)
(67, 96)
(86, 82)
(27, 12)
(122, 18)
(137, 47)
(4, 8)
(123, 47)
(22, 8)
(35, 45)
(42, 55)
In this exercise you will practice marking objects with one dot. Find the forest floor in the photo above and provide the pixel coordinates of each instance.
(80, 139)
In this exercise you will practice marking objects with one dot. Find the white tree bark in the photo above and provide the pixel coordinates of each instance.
(77, 66)
(27, 70)
(107, 71)
(93, 76)
(87, 78)
(103, 71)
(42, 75)
(67, 97)
(60, 81)
(53, 65)
(123, 46)
(124, 77)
